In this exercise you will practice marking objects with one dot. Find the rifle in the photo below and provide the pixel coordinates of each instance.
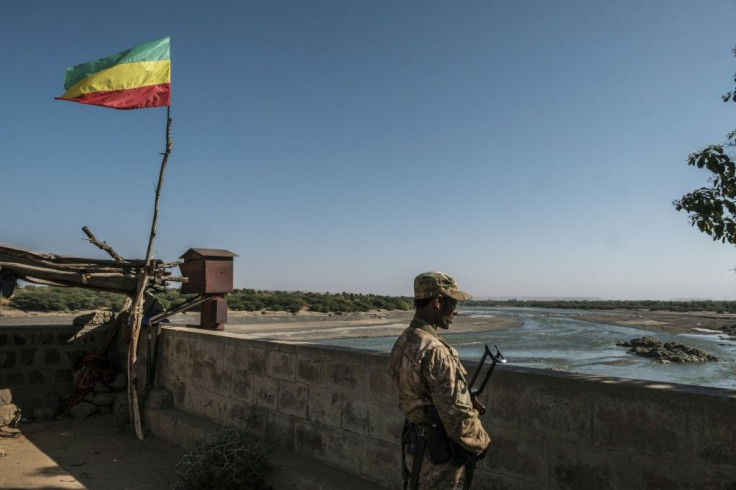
(495, 358)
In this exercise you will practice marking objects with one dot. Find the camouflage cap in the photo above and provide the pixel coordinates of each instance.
(432, 284)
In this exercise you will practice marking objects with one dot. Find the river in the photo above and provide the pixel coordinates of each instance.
(551, 338)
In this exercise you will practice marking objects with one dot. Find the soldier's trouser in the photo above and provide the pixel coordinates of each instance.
(438, 476)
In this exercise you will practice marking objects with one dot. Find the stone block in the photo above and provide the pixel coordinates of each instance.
(256, 360)
(7, 359)
(714, 477)
(309, 440)
(310, 368)
(236, 355)
(293, 398)
(343, 450)
(22, 339)
(554, 410)
(202, 370)
(179, 388)
(574, 466)
(266, 392)
(390, 424)
(181, 346)
(206, 348)
(345, 374)
(243, 415)
(519, 455)
(282, 365)
(377, 454)
(241, 388)
(51, 357)
(280, 429)
(63, 376)
(28, 357)
(381, 386)
(649, 426)
(504, 401)
(35, 378)
(713, 436)
(324, 406)
(646, 471)
(158, 399)
(359, 417)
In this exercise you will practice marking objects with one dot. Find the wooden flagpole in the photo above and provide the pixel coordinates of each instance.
(144, 276)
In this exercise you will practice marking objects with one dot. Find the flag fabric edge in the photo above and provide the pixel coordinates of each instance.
(96, 82)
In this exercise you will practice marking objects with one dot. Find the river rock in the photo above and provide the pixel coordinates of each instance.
(82, 410)
(99, 317)
(120, 382)
(104, 399)
(665, 353)
(101, 388)
(729, 330)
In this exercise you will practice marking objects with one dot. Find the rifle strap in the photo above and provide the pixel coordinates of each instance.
(417, 457)
(469, 473)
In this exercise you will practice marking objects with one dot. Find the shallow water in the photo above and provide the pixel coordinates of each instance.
(552, 339)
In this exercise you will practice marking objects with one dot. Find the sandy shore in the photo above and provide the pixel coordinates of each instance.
(662, 321)
(310, 326)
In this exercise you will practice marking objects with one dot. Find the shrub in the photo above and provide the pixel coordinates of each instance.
(229, 458)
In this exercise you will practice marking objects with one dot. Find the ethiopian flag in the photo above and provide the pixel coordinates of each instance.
(133, 79)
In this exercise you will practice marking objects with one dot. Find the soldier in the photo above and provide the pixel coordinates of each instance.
(442, 425)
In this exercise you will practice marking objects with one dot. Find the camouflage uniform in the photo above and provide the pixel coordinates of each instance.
(428, 372)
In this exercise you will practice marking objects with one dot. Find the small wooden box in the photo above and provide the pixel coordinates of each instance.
(209, 270)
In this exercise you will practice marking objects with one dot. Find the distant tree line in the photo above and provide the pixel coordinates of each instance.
(52, 299)
(652, 305)
(255, 300)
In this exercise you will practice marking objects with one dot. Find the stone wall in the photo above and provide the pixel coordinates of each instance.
(549, 429)
(37, 362)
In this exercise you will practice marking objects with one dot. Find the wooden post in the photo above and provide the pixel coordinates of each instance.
(144, 275)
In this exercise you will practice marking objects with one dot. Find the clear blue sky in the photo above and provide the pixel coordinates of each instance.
(530, 148)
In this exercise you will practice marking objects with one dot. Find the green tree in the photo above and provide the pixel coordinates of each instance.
(713, 209)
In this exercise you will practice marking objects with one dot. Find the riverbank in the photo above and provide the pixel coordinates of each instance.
(662, 321)
(310, 326)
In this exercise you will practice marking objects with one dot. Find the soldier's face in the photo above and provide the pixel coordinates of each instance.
(447, 309)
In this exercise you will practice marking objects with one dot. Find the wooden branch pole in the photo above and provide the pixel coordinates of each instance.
(143, 277)
(103, 245)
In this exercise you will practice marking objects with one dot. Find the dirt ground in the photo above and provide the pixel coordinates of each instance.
(96, 453)
(89, 454)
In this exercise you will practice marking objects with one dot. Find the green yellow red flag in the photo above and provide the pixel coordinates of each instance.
(133, 79)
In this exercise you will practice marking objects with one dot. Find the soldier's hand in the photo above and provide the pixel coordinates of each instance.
(478, 405)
